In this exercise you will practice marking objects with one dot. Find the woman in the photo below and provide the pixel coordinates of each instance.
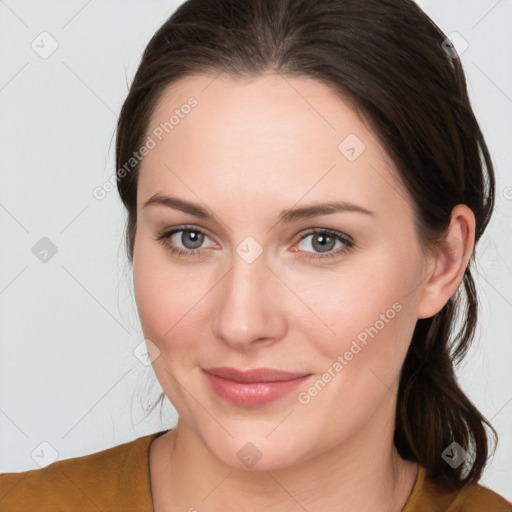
(305, 184)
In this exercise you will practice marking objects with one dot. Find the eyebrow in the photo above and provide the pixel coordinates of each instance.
(286, 216)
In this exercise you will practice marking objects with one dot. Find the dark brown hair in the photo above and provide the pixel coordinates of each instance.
(391, 61)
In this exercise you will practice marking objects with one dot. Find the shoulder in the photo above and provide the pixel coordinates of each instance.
(476, 498)
(98, 481)
(430, 497)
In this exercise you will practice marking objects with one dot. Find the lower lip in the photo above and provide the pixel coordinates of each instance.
(253, 394)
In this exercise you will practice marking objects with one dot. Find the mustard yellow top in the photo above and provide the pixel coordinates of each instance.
(117, 480)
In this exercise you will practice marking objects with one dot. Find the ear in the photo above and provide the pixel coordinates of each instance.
(448, 263)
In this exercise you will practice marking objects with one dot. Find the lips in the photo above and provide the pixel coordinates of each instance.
(254, 375)
(254, 387)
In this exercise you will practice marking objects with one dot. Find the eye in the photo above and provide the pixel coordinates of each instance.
(190, 238)
(187, 241)
(324, 241)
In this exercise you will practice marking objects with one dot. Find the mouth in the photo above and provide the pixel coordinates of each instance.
(254, 387)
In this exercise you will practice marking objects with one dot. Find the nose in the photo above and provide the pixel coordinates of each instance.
(250, 304)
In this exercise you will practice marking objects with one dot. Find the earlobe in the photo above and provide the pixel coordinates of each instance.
(449, 262)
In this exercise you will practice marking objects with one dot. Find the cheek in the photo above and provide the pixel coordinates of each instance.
(150, 290)
(359, 366)
(169, 298)
(369, 309)
(157, 291)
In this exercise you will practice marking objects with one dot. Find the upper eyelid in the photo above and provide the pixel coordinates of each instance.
(173, 231)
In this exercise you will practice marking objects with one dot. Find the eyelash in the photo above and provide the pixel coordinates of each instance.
(163, 238)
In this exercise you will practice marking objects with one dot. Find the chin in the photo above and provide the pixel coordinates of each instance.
(252, 449)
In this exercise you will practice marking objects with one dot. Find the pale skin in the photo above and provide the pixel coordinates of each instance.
(247, 151)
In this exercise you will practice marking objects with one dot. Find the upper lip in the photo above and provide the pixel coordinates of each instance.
(254, 375)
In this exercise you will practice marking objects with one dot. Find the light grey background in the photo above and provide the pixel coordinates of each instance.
(69, 326)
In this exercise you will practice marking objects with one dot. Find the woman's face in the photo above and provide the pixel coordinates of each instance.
(339, 305)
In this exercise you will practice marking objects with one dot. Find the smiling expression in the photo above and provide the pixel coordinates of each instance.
(300, 238)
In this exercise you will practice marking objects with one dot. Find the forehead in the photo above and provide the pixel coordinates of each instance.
(265, 135)
(270, 103)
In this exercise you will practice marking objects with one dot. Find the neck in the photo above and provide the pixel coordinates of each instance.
(360, 474)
